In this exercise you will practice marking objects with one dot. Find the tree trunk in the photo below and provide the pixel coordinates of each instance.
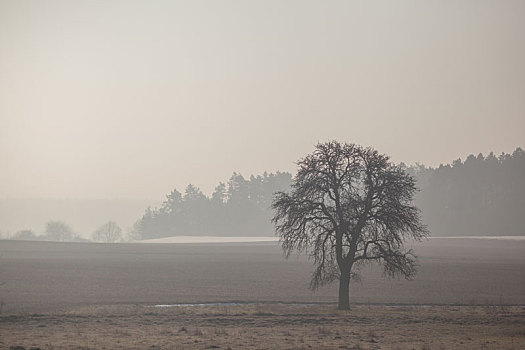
(344, 290)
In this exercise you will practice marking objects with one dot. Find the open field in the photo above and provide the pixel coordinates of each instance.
(95, 296)
(269, 327)
(44, 276)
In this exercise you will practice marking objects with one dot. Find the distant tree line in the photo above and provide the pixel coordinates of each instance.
(483, 195)
(58, 231)
(239, 207)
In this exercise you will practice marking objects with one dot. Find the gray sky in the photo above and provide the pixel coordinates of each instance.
(120, 99)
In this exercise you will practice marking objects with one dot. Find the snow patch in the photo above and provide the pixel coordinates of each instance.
(209, 239)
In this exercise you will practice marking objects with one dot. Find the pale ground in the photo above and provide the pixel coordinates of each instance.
(100, 296)
(268, 326)
(209, 239)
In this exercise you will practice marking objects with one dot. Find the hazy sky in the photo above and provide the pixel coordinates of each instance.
(105, 99)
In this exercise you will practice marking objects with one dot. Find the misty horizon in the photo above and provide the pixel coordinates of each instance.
(85, 215)
(106, 100)
(262, 174)
(158, 200)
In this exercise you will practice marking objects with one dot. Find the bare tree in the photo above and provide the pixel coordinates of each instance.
(349, 205)
(108, 233)
(25, 235)
(58, 231)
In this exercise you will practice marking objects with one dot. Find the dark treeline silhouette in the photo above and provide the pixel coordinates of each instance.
(483, 195)
(239, 207)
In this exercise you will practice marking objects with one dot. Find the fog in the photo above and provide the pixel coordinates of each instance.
(289, 174)
(130, 99)
(482, 195)
(83, 215)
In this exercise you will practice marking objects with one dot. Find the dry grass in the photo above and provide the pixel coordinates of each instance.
(46, 288)
(268, 326)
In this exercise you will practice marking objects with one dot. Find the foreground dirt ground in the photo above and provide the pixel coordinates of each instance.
(267, 326)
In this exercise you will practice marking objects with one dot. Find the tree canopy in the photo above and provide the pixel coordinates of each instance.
(239, 207)
(110, 232)
(349, 205)
(482, 195)
(58, 231)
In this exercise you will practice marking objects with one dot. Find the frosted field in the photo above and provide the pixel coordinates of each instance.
(46, 276)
